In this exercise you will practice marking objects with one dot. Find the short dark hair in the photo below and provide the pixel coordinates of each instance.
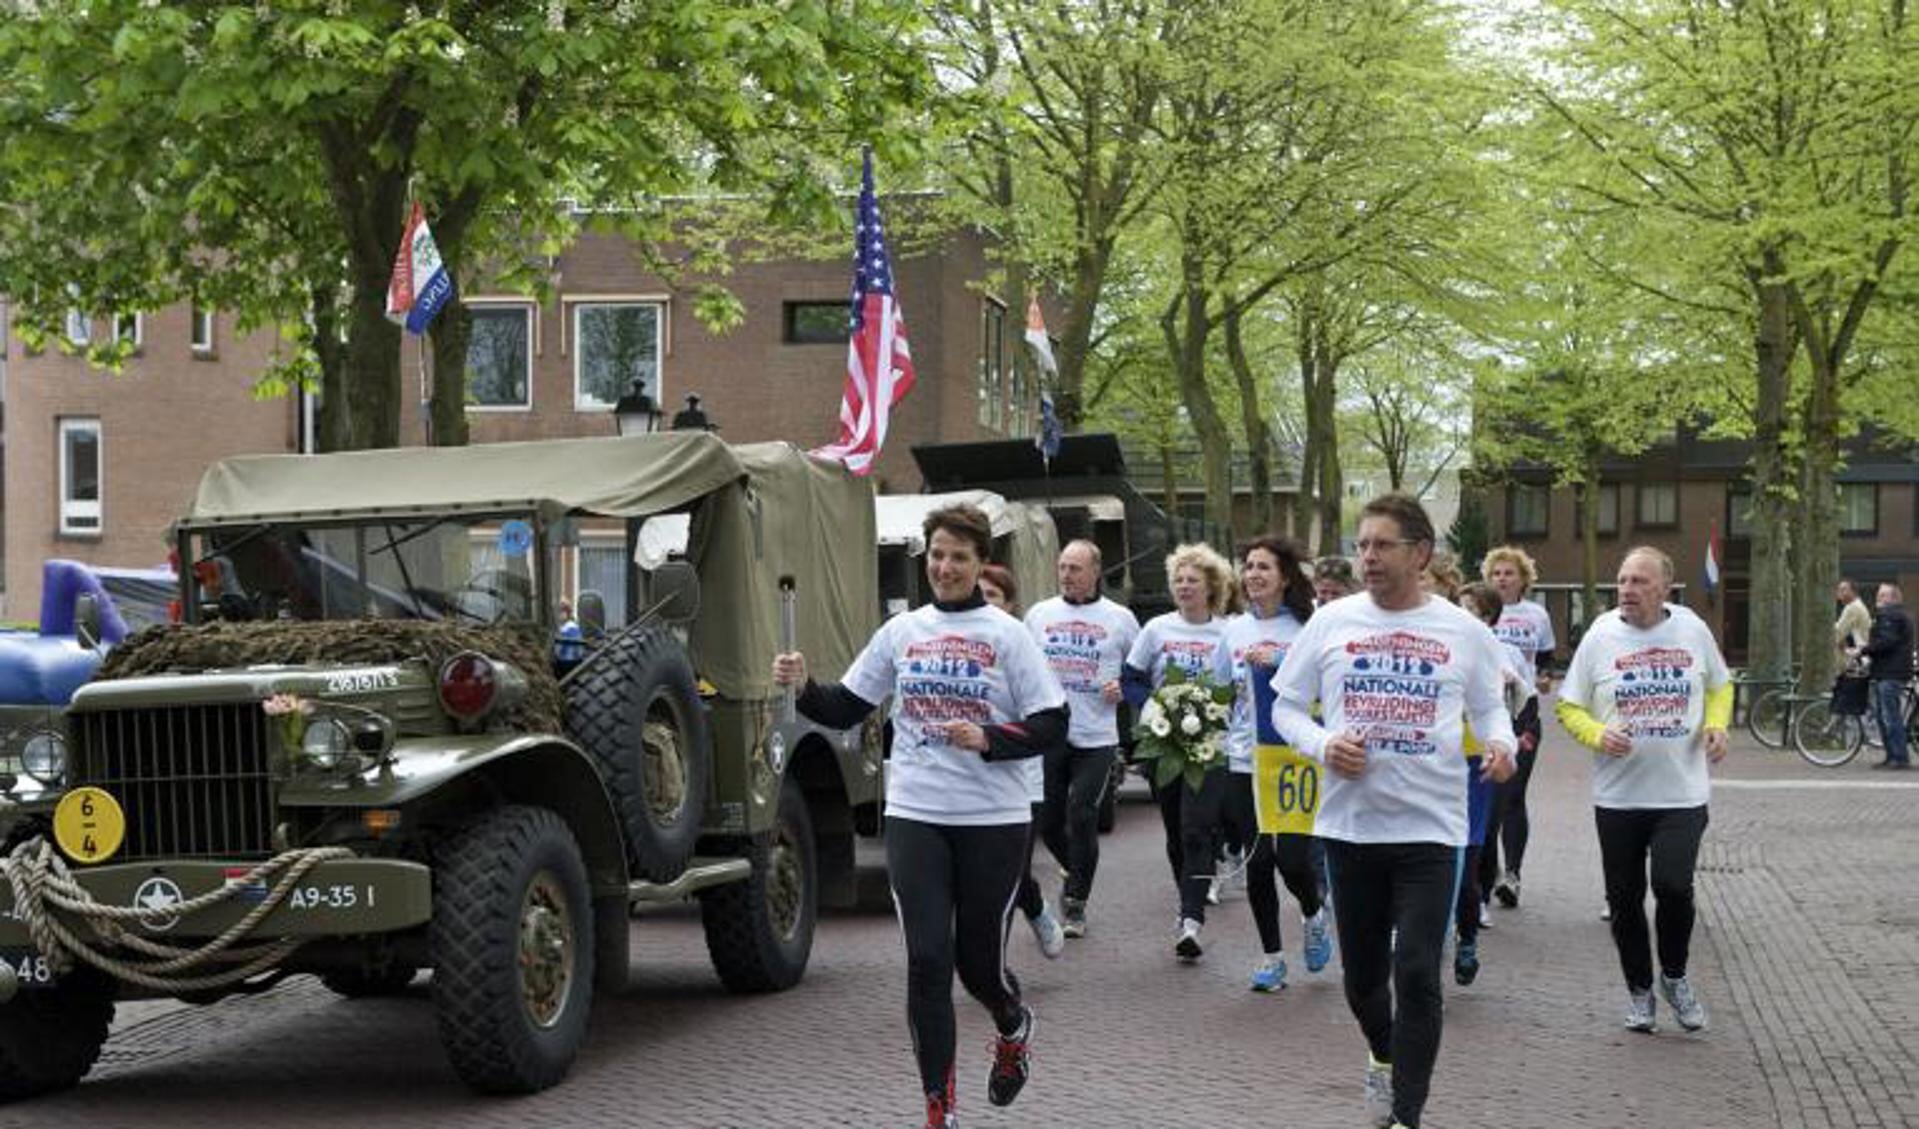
(965, 521)
(1334, 568)
(1414, 523)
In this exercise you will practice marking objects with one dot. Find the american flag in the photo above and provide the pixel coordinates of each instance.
(879, 364)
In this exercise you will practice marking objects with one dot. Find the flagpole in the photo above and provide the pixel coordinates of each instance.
(426, 395)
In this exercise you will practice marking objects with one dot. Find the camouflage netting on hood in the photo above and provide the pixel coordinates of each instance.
(215, 646)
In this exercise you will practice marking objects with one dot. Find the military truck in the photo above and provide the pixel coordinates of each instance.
(368, 752)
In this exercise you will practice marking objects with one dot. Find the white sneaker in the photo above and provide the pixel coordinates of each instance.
(1379, 1092)
(1685, 1005)
(1639, 1010)
(1048, 932)
(1212, 890)
(1187, 947)
(1485, 916)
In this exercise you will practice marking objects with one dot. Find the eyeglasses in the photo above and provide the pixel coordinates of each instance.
(1384, 543)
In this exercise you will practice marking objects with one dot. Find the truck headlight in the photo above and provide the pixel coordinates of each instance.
(326, 743)
(44, 757)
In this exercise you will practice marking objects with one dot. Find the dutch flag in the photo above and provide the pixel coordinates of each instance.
(421, 286)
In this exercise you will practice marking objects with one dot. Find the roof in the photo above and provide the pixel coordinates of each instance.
(617, 477)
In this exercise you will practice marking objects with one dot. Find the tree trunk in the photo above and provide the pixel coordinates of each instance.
(1589, 540)
(1259, 434)
(1819, 524)
(1323, 418)
(1076, 336)
(372, 368)
(1303, 507)
(1769, 613)
(335, 425)
(452, 331)
(1186, 326)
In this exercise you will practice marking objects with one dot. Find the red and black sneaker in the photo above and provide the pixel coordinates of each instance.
(1011, 1063)
(939, 1107)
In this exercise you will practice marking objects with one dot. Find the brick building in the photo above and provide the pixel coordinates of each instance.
(97, 465)
(1674, 494)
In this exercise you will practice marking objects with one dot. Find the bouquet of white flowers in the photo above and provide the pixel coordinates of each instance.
(1182, 728)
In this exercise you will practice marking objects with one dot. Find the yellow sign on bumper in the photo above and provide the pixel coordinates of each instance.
(88, 825)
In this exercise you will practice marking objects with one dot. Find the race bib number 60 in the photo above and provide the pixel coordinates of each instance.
(1285, 783)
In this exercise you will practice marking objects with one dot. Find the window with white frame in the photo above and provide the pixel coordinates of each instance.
(202, 340)
(601, 568)
(1658, 505)
(499, 357)
(616, 344)
(79, 327)
(80, 476)
(127, 329)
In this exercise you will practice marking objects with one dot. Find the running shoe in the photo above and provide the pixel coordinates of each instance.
(1187, 947)
(1048, 932)
(1212, 890)
(1507, 891)
(1319, 942)
(1466, 963)
(1074, 911)
(1639, 1010)
(1379, 1092)
(1686, 1007)
(939, 1114)
(1011, 1062)
(1485, 916)
(1269, 975)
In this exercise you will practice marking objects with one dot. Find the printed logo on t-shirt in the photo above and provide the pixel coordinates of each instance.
(1390, 692)
(948, 679)
(1189, 655)
(1519, 630)
(1267, 653)
(1654, 694)
(1073, 648)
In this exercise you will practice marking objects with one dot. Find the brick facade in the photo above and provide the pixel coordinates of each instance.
(172, 412)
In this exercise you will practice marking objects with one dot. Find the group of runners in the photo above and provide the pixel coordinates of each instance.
(1417, 716)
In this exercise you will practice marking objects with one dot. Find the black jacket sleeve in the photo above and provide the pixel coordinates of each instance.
(1018, 740)
(833, 705)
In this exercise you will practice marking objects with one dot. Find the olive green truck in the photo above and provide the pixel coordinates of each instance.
(375, 747)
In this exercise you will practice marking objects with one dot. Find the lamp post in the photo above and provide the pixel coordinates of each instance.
(635, 413)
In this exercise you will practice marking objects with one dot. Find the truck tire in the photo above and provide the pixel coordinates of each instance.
(512, 946)
(50, 1038)
(759, 932)
(637, 713)
(360, 984)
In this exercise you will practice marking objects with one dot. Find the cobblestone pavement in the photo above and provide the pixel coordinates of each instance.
(1807, 953)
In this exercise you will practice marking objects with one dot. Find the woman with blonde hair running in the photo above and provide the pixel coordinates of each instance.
(1185, 637)
(1527, 626)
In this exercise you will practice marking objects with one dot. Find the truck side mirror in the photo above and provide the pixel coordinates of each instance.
(675, 588)
(86, 619)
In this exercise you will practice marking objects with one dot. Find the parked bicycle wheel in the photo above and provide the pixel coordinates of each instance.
(1767, 717)
(1825, 738)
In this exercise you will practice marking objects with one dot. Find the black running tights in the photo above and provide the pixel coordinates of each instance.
(1383, 891)
(1668, 839)
(1076, 783)
(954, 889)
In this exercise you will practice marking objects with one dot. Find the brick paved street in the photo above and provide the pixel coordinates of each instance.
(1808, 955)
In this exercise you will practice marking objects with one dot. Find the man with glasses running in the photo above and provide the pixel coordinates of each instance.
(1397, 676)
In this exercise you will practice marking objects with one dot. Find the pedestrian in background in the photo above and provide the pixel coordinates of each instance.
(1086, 638)
(1649, 693)
(1528, 627)
(1854, 625)
(1888, 651)
(1332, 579)
(1001, 589)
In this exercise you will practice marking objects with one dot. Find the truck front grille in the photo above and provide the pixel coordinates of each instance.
(195, 781)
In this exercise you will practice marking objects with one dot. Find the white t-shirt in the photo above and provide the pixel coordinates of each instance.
(1406, 681)
(978, 665)
(1168, 640)
(1085, 645)
(1651, 681)
(1529, 627)
(1249, 647)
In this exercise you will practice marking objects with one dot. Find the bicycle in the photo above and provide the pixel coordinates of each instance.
(1769, 717)
(1823, 737)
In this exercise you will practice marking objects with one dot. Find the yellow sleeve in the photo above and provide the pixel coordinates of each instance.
(1719, 707)
(1579, 721)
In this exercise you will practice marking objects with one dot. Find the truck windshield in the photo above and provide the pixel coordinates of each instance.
(469, 568)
